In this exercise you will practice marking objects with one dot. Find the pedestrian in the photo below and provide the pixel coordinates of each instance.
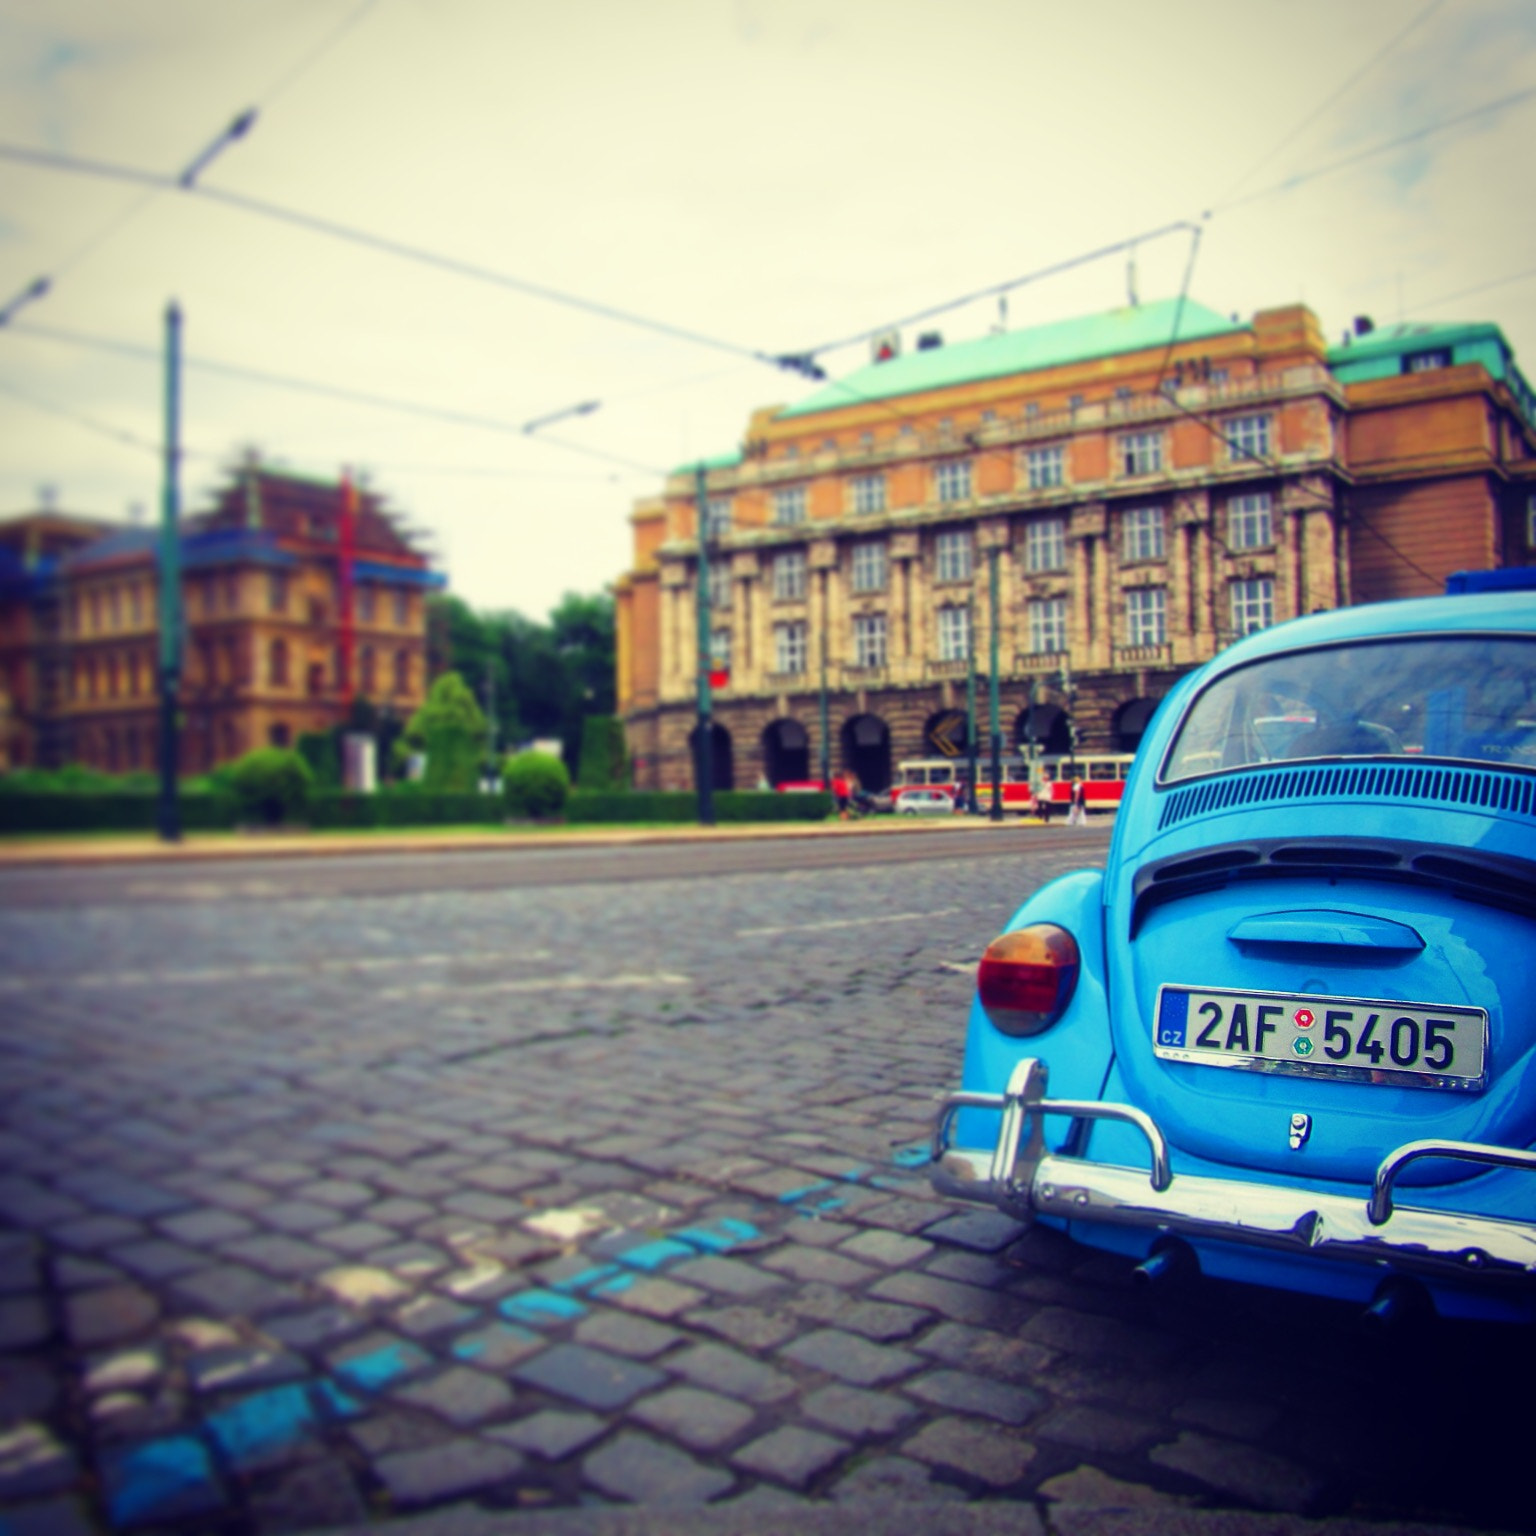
(1077, 816)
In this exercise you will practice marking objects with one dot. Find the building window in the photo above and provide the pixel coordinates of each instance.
(1530, 522)
(365, 604)
(869, 567)
(114, 609)
(1145, 621)
(1248, 437)
(720, 584)
(231, 592)
(720, 650)
(316, 679)
(277, 734)
(1045, 467)
(1141, 453)
(1045, 544)
(1142, 534)
(789, 506)
(277, 591)
(789, 576)
(869, 640)
(1253, 605)
(954, 632)
(368, 673)
(402, 607)
(1422, 362)
(868, 493)
(277, 664)
(717, 517)
(953, 480)
(789, 647)
(1250, 524)
(955, 561)
(1048, 624)
(402, 672)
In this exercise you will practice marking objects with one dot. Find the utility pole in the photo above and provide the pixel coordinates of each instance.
(704, 742)
(970, 701)
(826, 746)
(168, 811)
(992, 699)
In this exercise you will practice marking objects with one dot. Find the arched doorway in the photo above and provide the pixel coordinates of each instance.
(867, 751)
(722, 759)
(1049, 725)
(786, 752)
(1131, 722)
(945, 734)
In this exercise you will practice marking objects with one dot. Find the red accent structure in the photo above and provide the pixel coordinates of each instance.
(348, 551)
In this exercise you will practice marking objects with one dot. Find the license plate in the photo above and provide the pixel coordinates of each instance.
(1365, 1040)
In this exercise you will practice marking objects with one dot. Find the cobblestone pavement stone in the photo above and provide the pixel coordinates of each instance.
(321, 1213)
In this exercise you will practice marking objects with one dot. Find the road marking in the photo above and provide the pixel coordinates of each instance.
(258, 970)
(846, 922)
(539, 984)
(965, 967)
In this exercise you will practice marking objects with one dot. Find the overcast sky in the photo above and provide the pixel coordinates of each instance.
(767, 175)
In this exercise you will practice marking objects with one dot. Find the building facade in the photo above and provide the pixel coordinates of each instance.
(1135, 504)
(298, 598)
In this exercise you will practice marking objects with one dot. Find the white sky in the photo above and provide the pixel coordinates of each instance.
(771, 173)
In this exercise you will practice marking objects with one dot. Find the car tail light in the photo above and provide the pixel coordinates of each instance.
(1027, 977)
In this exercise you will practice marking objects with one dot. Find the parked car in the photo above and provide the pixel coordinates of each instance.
(926, 801)
(1287, 1035)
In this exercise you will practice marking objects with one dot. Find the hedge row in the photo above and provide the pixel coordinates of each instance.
(330, 809)
(213, 811)
(675, 806)
(123, 810)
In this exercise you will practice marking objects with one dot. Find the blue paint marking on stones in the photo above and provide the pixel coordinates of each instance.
(542, 1307)
(160, 1479)
(379, 1367)
(795, 1195)
(617, 1284)
(718, 1236)
(831, 1203)
(914, 1156)
(256, 1426)
(655, 1255)
(587, 1278)
(854, 1174)
(337, 1401)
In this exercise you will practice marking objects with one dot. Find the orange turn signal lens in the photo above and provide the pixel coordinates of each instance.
(1027, 978)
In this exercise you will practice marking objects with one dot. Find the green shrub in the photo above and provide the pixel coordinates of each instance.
(401, 806)
(450, 728)
(535, 786)
(323, 754)
(603, 764)
(110, 811)
(272, 785)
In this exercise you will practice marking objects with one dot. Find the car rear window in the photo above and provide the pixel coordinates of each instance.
(1467, 697)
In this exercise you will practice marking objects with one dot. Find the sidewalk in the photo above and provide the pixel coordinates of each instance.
(144, 847)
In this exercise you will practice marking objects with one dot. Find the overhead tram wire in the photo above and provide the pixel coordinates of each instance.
(399, 249)
(1417, 135)
(238, 128)
(1341, 91)
(242, 374)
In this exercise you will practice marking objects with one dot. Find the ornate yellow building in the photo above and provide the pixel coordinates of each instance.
(1138, 502)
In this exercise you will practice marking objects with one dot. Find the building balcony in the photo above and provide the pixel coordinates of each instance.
(957, 667)
(1142, 655)
(1040, 661)
(857, 676)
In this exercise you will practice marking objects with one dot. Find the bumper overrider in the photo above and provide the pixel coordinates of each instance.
(1019, 1177)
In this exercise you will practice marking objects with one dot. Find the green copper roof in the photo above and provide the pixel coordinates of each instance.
(1043, 346)
(1384, 353)
(712, 461)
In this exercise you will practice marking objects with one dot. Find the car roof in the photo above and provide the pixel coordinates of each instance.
(1464, 614)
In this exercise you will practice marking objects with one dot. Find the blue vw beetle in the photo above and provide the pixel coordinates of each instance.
(1288, 1034)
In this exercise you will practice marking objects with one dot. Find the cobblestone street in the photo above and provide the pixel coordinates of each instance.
(320, 1212)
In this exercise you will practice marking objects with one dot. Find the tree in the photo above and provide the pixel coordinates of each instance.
(450, 729)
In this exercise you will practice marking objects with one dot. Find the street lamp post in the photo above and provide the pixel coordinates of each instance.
(992, 699)
(168, 811)
(970, 702)
(703, 753)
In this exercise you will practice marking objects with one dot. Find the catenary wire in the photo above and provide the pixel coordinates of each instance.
(1341, 91)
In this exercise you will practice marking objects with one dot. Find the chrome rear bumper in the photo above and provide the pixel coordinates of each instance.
(1019, 1177)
